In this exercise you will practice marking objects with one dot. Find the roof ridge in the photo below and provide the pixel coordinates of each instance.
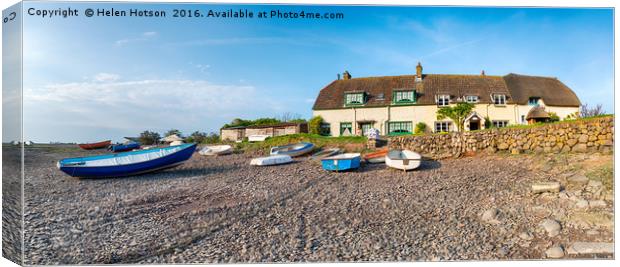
(533, 76)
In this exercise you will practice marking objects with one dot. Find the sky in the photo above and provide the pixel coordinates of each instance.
(89, 79)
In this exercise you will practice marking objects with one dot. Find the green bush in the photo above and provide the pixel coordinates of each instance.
(314, 125)
(149, 138)
(553, 117)
(420, 128)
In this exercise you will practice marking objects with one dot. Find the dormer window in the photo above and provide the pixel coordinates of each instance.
(499, 99)
(533, 101)
(471, 99)
(443, 100)
(404, 97)
(354, 99)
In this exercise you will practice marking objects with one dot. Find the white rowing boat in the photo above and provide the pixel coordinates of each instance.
(216, 150)
(271, 160)
(403, 159)
(257, 137)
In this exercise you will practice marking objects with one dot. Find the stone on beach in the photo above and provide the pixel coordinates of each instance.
(542, 187)
(551, 226)
(555, 252)
(579, 248)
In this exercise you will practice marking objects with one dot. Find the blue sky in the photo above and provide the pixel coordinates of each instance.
(97, 78)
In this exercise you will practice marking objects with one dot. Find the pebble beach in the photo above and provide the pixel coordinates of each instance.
(222, 210)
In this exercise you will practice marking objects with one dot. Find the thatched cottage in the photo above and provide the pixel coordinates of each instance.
(395, 104)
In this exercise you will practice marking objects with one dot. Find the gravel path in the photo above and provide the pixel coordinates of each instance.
(221, 209)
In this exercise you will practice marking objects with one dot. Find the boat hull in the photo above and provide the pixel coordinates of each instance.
(376, 157)
(112, 171)
(124, 147)
(325, 153)
(216, 150)
(403, 160)
(98, 145)
(294, 150)
(344, 163)
(257, 138)
(271, 160)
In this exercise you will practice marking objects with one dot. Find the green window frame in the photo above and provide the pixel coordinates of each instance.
(404, 97)
(366, 126)
(400, 127)
(354, 99)
(346, 125)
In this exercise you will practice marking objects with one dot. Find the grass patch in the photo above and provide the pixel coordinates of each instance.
(319, 141)
(604, 173)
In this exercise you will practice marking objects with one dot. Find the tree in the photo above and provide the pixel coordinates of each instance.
(420, 128)
(314, 125)
(197, 137)
(291, 117)
(487, 123)
(173, 131)
(457, 113)
(149, 138)
(587, 111)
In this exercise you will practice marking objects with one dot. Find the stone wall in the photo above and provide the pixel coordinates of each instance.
(594, 134)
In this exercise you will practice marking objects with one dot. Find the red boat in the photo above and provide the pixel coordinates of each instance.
(98, 145)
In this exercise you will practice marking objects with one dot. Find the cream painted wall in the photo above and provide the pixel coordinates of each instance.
(425, 113)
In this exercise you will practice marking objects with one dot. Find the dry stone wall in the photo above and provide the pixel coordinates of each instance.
(595, 134)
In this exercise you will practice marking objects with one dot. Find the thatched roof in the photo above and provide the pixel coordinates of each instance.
(552, 91)
(537, 113)
(379, 90)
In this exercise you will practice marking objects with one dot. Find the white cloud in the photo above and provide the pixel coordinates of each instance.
(106, 77)
(129, 107)
(143, 37)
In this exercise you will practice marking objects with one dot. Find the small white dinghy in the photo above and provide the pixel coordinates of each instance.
(216, 150)
(271, 160)
(257, 137)
(403, 159)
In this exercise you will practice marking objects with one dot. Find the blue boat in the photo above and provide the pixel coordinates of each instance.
(342, 162)
(127, 163)
(124, 147)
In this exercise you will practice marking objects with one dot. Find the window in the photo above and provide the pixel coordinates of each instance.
(500, 124)
(442, 126)
(471, 99)
(404, 97)
(499, 99)
(533, 101)
(325, 129)
(523, 120)
(443, 100)
(365, 127)
(354, 99)
(399, 127)
(346, 128)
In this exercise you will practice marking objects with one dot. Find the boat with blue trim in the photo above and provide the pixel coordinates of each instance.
(127, 163)
(342, 162)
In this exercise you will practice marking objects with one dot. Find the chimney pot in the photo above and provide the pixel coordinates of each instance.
(482, 73)
(346, 75)
(338, 76)
(418, 71)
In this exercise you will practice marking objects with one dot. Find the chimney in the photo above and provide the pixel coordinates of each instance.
(338, 76)
(482, 73)
(418, 72)
(346, 75)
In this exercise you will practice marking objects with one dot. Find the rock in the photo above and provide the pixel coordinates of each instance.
(515, 151)
(490, 216)
(583, 138)
(580, 148)
(551, 226)
(555, 252)
(592, 232)
(598, 204)
(526, 235)
(581, 204)
(594, 185)
(545, 187)
(579, 248)
(578, 179)
(589, 219)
